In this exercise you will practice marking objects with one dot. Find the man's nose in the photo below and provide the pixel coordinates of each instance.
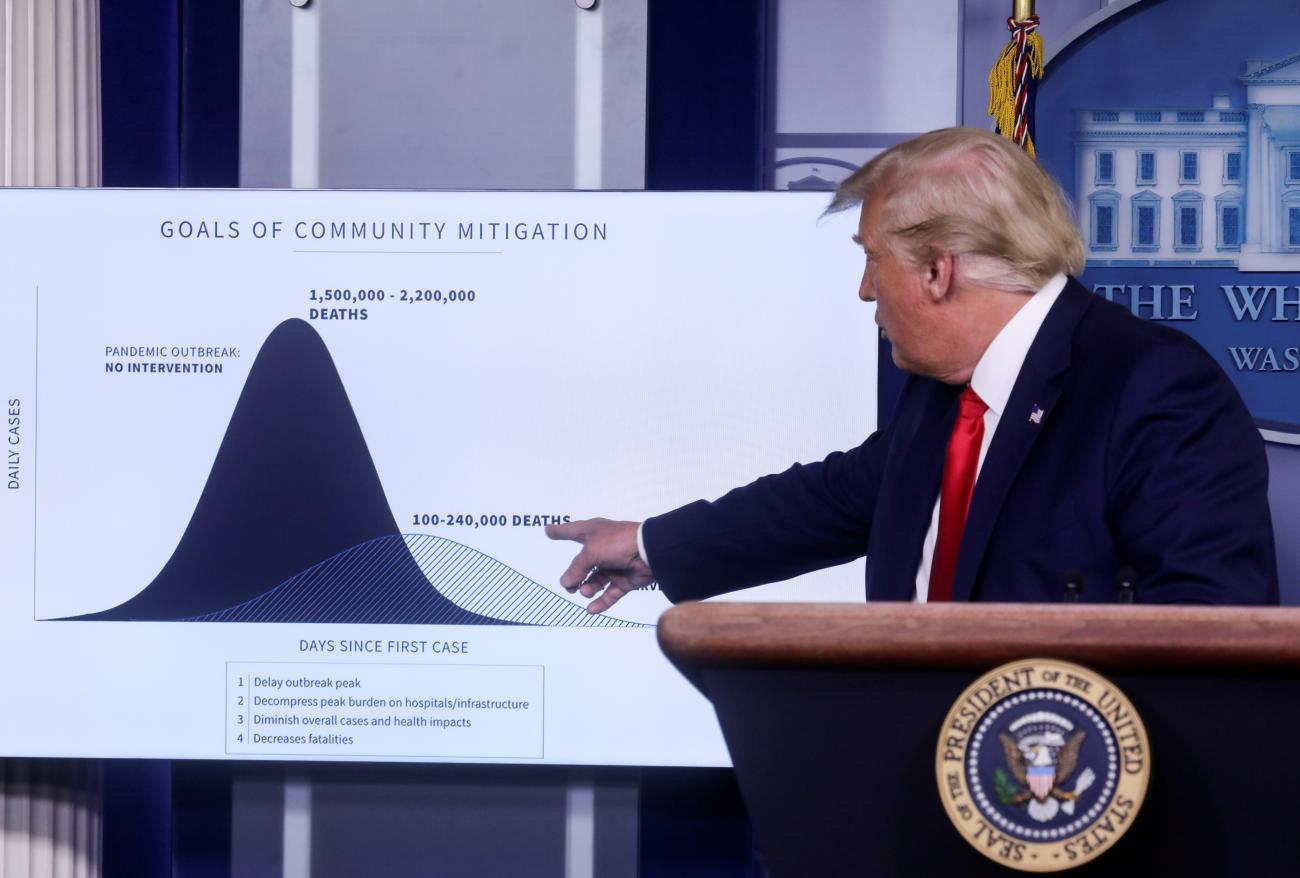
(866, 289)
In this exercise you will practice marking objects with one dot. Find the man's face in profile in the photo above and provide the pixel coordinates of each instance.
(902, 306)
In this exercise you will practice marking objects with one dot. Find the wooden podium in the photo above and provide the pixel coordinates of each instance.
(832, 714)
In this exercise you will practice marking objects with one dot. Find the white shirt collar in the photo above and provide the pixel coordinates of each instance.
(996, 372)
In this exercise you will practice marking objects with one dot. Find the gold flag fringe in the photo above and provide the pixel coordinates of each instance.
(1002, 85)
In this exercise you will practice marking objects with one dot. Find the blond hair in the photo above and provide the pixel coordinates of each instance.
(974, 195)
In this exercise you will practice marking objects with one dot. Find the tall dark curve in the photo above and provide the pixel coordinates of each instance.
(292, 485)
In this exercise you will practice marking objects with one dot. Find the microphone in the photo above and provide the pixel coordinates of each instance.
(1072, 585)
(1125, 583)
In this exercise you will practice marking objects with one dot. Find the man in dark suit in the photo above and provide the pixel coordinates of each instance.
(1045, 434)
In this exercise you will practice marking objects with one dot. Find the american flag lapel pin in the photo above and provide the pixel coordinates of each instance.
(1036, 416)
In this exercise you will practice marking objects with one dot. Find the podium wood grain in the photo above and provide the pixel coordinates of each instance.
(979, 636)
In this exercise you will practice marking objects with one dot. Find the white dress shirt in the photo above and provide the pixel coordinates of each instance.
(994, 377)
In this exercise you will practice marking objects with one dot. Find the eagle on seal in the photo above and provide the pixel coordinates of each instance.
(1033, 765)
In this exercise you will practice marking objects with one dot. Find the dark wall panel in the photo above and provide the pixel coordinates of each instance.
(201, 819)
(706, 94)
(209, 93)
(694, 825)
(170, 85)
(140, 82)
(137, 802)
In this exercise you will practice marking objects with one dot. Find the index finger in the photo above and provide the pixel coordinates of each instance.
(578, 531)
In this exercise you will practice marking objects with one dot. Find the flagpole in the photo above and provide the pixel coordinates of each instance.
(1021, 10)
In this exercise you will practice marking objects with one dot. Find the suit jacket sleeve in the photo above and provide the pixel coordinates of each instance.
(1189, 484)
(810, 516)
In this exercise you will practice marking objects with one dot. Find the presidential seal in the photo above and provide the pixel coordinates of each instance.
(1042, 765)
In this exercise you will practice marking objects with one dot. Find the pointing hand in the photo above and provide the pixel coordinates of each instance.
(609, 564)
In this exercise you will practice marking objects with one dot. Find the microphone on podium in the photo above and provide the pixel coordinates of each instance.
(1125, 584)
(1072, 585)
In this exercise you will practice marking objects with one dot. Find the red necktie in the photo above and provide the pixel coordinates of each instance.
(954, 499)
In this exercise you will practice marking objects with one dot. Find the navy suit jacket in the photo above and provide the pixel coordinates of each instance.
(1143, 456)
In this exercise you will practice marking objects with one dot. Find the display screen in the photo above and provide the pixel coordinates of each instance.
(278, 464)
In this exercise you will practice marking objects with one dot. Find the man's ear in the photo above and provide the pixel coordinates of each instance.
(938, 276)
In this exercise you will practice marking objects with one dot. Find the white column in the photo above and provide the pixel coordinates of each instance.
(304, 117)
(1268, 158)
(50, 819)
(1079, 196)
(1256, 197)
(589, 97)
(296, 847)
(580, 829)
(49, 89)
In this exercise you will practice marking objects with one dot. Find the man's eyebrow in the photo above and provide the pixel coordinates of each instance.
(857, 239)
